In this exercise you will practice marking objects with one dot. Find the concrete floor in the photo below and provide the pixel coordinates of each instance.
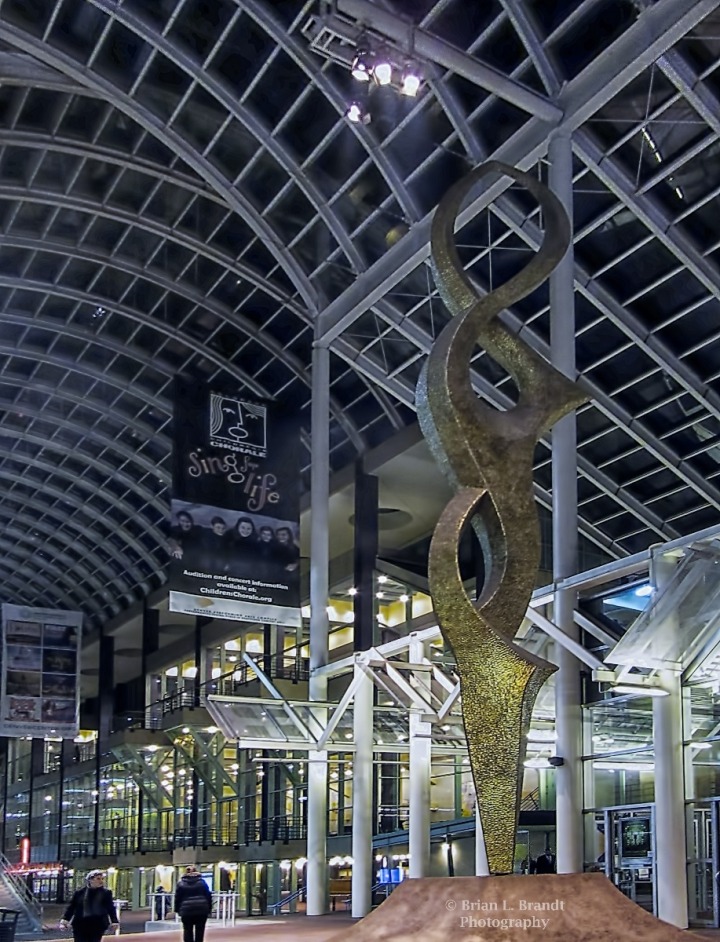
(288, 928)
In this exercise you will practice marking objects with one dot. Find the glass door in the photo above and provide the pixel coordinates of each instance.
(630, 852)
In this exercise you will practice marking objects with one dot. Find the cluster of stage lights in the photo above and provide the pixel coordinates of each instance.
(379, 69)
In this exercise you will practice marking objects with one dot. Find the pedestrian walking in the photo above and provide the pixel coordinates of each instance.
(193, 903)
(91, 911)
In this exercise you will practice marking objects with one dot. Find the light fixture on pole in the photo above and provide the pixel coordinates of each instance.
(362, 65)
(357, 114)
(411, 80)
(382, 70)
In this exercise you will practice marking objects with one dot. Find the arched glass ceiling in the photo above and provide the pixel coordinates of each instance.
(180, 192)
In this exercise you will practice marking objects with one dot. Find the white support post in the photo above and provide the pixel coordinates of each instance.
(362, 796)
(317, 782)
(695, 841)
(420, 753)
(568, 713)
(670, 839)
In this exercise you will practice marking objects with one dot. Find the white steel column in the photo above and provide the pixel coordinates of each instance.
(317, 775)
(420, 773)
(362, 796)
(568, 722)
(670, 841)
(693, 841)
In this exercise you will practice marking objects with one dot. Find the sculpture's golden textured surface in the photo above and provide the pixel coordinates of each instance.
(487, 456)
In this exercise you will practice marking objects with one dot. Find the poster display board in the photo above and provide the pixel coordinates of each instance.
(40, 680)
(235, 508)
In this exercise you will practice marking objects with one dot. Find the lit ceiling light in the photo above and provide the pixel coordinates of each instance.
(382, 72)
(640, 691)
(352, 591)
(404, 598)
(356, 114)
(362, 66)
(701, 745)
(411, 81)
(644, 590)
(382, 578)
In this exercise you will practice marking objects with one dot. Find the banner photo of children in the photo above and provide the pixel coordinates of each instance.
(234, 530)
(40, 678)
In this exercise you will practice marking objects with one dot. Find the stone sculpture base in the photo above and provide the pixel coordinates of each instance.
(574, 907)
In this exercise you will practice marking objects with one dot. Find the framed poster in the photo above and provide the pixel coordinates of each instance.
(40, 681)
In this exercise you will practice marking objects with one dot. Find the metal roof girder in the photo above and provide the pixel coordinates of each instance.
(62, 496)
(655, 31)
(102, 153)
(64, 576)
(104, 88)
(523, 21)
(45, 444)
(241, 113)
(611, 308)
(452, 58)
(68, 542)
(21, 577)
(282, 37)
(646, 210)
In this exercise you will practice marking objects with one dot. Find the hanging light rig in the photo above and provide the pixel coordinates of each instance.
(380, 68)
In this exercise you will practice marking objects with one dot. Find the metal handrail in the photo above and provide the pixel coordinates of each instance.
(20, 889)
(388, 887)
(277, 907)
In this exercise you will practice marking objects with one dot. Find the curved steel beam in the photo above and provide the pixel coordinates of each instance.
(293, 364)
(179, 287)
(111, 577)
(85, 508)
(25, 71)
(241, 113)
(74, 572)
(155, 228)
(523, 21)
(59, 392)
(659, 28)
(137, 487)
(20, 577)
(16, 549)
(235, 200)
(110, 444)
(34, 140)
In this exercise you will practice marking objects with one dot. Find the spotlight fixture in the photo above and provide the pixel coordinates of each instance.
(387, 68)
(362, 65)
(382, 71)
(357, 114)
(410, 81)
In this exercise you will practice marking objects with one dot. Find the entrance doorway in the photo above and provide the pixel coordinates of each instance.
(256, 889)
(703, 904)
(630, 852)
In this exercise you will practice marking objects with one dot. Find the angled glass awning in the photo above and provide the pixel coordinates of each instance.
(681, 625)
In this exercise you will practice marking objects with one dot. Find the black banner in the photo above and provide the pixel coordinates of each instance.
(234, 537)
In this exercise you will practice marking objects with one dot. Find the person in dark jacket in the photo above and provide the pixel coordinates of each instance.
(193, 903)
(91, 910)
(546, 862)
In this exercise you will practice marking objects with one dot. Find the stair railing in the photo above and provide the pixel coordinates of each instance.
(19, 888)
(276, 907)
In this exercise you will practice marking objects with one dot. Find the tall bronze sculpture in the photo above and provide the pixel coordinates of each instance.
(487, 456)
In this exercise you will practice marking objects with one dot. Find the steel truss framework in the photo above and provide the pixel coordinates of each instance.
(183, 194)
